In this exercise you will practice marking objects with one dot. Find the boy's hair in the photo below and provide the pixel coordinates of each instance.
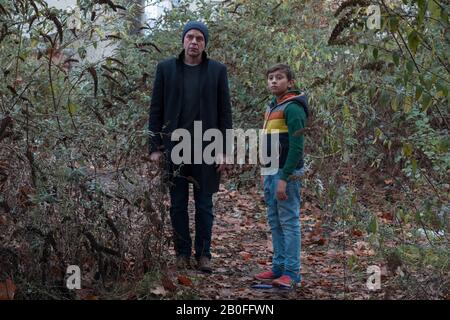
(284, 68)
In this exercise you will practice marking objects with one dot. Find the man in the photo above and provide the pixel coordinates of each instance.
(190, 88)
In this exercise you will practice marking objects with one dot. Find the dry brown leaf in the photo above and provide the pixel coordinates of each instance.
(245, 255)
(357, 233)
(185, 281)
(331, 253)
(387, 216)
(159, 291)
(319, 240)
(168, 284)
(7, 290)
(85, 294)
(317, 229)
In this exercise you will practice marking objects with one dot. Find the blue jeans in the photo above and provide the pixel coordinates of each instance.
(179, 197)
(284, 221)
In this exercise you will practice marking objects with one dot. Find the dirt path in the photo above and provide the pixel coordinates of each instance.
(242, 246)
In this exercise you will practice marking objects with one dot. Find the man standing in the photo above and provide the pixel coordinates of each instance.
(190, 88)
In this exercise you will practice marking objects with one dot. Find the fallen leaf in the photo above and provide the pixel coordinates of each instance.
(225, 293)
(362, 245)
(244, 279)
(319, 240)
(86, 294)
(168, 284)
(331, 253)
(387, 215)
(7, 290)
(317, 229)
(245, 255)
(185, 281)
(269, 245)
(349, 253)
(159, 291)
(307, 205)
(357, 233)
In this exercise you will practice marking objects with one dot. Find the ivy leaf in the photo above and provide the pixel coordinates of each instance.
(409, 67)
(414, 167)
(407, 106)
(434, 9)
(442, 89)
(396, 102)
(375, 53)
(444, 145)
(93, 73)
(419, 91)
(413, 41)
(422, 10)
(396, 58)
(393, 24)
(385, 98)
(407, 149)
(444, 16)
(428, 83)
(426, 101)
(373, 225)
(72, 108)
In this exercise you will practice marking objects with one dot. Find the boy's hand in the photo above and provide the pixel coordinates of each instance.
(281, 190)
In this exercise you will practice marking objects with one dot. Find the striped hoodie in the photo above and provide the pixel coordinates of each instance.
(287, 115)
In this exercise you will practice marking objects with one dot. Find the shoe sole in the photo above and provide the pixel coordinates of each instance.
(264, 279)
(205, 270)
(283, 286)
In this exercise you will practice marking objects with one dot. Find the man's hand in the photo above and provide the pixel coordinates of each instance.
(221, 162)
(281, 190)
(156, 156)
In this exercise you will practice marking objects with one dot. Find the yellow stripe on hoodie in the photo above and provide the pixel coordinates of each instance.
(276, 124)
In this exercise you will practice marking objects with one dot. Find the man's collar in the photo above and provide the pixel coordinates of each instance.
(204, 56)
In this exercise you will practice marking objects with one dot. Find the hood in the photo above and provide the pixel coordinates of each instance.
(292, 95)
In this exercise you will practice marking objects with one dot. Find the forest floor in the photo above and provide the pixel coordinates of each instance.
(333, 261)
(335, 255)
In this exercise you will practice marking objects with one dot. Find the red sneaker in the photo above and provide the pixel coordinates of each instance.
(266, 275)
(284, 282)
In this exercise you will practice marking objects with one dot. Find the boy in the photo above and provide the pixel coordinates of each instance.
(287, 113)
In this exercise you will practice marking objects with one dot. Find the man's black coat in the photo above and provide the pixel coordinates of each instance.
(166, 104)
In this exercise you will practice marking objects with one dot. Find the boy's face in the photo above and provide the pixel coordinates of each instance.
(278, 82)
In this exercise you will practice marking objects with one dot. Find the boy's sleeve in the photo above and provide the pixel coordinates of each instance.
(295, 119)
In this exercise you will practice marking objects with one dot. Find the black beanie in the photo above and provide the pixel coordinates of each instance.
(198, 26)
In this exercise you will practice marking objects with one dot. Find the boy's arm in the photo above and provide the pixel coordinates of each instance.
(295, 119)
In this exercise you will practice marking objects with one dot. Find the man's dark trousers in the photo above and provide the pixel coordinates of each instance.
(179, 197)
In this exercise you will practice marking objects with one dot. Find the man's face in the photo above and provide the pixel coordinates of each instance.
(278, 82)
(194, 43)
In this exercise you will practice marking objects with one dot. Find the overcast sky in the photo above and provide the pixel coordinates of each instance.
(152, 11)
(61, 4)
